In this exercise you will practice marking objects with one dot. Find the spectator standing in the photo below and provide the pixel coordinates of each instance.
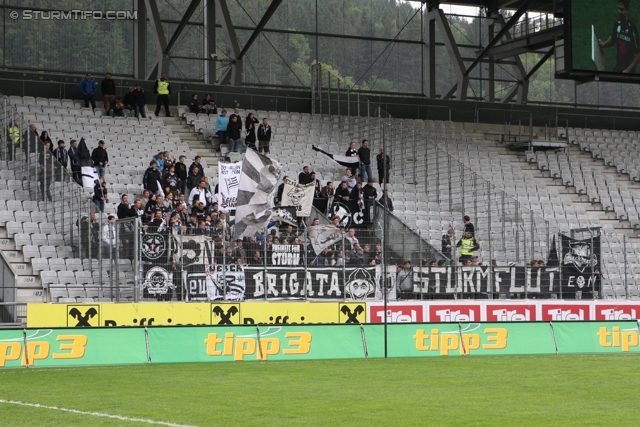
(447, 244)
(234, 130)
(44, 137)
(140, 102)
(196, 164)
(222, 124)
(172, 182)
(109, 241)
(74, 159)
(100, 158)
(278, 199)
(209, 105)
(386, 201)
(61, 154)
(13, 138)
(152, 178)
(88, 89)
(350, 179)
(30, 139)
(124, 208)
(467, 246)
(200, 194)
(194, 104)
(236, 112)
(100, 194)
(343, 193)
(163, 89)
(365, 161)
(352, 152)
(250, 131)
(264, 136)
(194, 178)
(181, 173)
(383, 175)
(108, 89)
(404, 280)
(159, 158)
(468, 225)
(305, 176)
(370, 192)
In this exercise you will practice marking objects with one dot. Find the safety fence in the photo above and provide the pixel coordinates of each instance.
(146, 345)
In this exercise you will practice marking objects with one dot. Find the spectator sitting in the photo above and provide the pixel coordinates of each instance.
(305, 176)
(256, 259)
(129, 100)
(116, 107)
(194, 104)
(222, 123)
(327, 191)
(357, 194)
(350, 179)
(385, 200)
(209, 105)
(343, 193)
(200, 194)
(370, 192)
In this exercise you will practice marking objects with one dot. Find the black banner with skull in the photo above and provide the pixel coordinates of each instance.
(321, 283)
(580, 264)
(352, 213)
(157, 268)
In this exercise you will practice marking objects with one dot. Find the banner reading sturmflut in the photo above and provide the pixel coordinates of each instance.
(228, 184)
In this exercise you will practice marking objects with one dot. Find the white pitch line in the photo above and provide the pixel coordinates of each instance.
(95, 414)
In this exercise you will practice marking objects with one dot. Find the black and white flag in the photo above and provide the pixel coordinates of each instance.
(258, 180)
(580, 264)
(323, 236)
(299, 196)
(88, 171)
(285, 214)
(345, 161)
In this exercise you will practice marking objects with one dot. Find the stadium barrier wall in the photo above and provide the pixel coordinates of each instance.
(145, 345)
(305, 312)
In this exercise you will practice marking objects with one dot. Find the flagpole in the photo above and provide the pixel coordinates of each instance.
(384, 237)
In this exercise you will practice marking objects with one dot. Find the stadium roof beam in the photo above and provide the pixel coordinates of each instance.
(539, 40)
(233, 74)
(162, 66)
(265, 19)
(522, 87)
(183, 23)
(524, 7)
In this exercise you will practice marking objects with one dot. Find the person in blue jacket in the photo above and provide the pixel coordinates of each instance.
(88, 88)
(221, 126)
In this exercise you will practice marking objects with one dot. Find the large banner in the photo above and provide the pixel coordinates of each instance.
(581, 264)
(351, 283)
(299, 196)
(158, 274)
(228, 184)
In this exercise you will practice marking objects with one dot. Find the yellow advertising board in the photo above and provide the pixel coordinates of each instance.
(180, 313)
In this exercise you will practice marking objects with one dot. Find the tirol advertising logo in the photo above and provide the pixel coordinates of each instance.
(565, 312)
(617, 312)
(511, 313)
(409, 313)
(454, 313)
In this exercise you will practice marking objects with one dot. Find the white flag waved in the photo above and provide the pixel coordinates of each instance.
(323, 236)
(299, 196)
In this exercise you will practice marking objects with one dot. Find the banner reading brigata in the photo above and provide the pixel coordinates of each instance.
(354, 283)
(228, 183)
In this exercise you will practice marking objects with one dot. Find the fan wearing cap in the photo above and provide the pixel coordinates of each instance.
(100, 158)
(108, 89)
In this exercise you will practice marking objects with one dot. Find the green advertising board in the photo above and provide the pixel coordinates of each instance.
(476, 339)
(597, 337)
(246, 343)
(72, 347)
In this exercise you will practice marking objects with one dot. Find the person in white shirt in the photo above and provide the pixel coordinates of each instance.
(349, 179)
(351, 237)
(109, 239)
(200, 194)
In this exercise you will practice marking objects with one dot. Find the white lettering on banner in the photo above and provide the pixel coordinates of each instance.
(613, 314)
(228, 184)
(285, 254)
(449, 315)
(504, 315)
(560, 314)
(398, 316)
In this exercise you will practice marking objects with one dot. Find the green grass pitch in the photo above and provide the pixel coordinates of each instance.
(577, 390)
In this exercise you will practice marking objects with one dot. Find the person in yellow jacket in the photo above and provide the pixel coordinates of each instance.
(13, 139)
(467, 245)
(163, 89)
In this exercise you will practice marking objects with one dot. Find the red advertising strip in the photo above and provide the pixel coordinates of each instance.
(566, 312)
(617, 311)
(455, 313)
(397, 313)
(511, 313)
